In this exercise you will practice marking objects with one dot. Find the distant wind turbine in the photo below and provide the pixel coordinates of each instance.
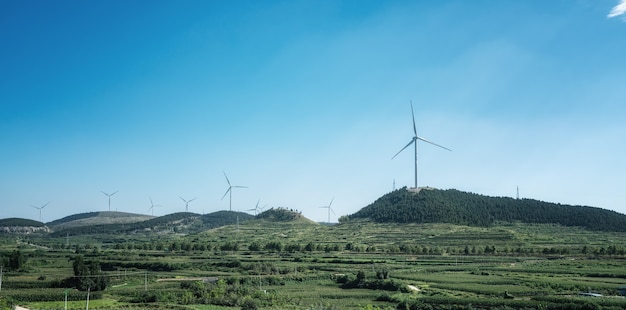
(256, 209)
(152, 205)
(329, 208)
(109, 195)
(40, 208)
(414, 141)
(229, 191)
(187, 203)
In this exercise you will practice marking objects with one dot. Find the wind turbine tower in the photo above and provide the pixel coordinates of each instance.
(229, 191)
(329, 208)
(40, 208)
(414, 141)
(187, 203)
(109, 195)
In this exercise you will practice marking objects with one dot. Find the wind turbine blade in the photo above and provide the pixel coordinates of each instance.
(227, 180)
(433, 143)
(331, 210)
(228, 190)
(114, 193)
(413, 115)
(182, 199)
(192, 200)
(45, 205)
(152, 203)
(331, 202)
(257, 204)
(239, 186)
(412, 140)
(105, 193)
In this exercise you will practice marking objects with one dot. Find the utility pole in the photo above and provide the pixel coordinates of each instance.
(88, 290)
(66, 290)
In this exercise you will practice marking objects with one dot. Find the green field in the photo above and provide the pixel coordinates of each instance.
(260, 264)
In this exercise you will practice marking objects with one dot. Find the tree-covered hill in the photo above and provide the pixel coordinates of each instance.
(20, 222)
(22, 226)
(282, 215)
(223, 218)
(457, 207)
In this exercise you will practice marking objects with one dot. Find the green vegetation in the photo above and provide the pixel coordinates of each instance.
(456, 207)
(19, 222)
(281, 260)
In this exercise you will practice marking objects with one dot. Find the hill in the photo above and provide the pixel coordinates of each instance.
(22, 226)
(223, 218)
(282, 215)
(181, 222)
(462, 208)
(97, 218)
(20, 222)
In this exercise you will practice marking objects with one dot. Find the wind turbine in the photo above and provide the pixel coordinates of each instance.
(109, 195)
(329, 208)
(229, 191)
(40, 208)
(414, 141)
(187, 203)
(152, 205)
(256, 209)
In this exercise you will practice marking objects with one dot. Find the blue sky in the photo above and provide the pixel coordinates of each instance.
(303, 101)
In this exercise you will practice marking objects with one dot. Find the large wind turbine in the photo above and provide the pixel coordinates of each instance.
(229, 191)
(109, 195)
(329, 208)
(187, 203)
(414, 141)
(40, 208)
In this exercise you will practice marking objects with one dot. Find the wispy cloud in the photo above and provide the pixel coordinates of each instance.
(618, 10)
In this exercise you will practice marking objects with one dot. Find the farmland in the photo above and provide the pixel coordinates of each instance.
(298, 264)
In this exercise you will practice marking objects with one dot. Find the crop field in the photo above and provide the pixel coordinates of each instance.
(303, 265)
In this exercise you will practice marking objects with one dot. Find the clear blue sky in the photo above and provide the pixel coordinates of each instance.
(303, 101)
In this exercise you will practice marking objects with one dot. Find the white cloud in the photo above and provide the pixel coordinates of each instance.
(618, 10)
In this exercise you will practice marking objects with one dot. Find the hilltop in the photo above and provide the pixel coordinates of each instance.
(181, 222)
(462, 208)
(282, 215)
(23, 226)
(97, 218)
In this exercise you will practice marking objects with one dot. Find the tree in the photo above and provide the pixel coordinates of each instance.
(87, 275)
(16, 260)
(309, 247)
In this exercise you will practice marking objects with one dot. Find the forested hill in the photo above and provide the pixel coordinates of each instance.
(456, 207)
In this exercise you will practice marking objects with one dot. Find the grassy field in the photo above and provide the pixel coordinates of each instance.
(303, 265)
